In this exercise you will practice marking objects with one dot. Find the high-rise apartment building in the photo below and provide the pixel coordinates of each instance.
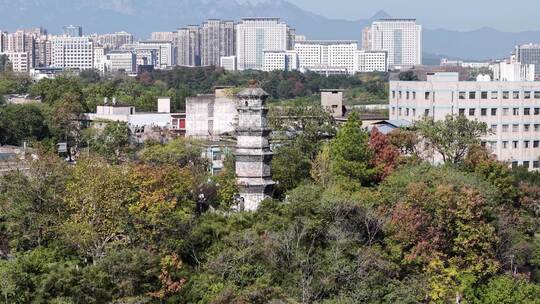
(217, 39)
(72, 52)
(401, 38)
(165, 36)
(256, 35)
(73, 30)
(366, 38)
(114, 41)
(529, 54)
(188, 46)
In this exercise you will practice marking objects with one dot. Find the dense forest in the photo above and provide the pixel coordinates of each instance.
(357, 217)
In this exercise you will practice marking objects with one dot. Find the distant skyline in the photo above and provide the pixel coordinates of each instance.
(463, 15)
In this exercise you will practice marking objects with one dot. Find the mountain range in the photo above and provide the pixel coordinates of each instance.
(144, 16)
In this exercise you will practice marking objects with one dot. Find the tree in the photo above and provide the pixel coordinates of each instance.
(408, 76)
(452, 137)
(180, 152)
(111, 142)
(385, 156)
(504, 289)
(20, 123)
(350, 153)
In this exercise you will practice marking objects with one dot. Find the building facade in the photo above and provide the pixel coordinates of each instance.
(401, 38)
(72, 30)
(217, 40)
(189, 46)
(146, 50)
(256, 35)
(228, 63)
(120, 61)
(511, 111)
(113, 41)
(513, 71)
(529, 54)
(20, 61)
(320, 55)
(371, 61)
(280, 60)
(72, 52)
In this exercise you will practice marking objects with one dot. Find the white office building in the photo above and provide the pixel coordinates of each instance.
(513, 71)
(145, 50)
(332, 55)
(120, 61)
(20, 61)
(228, 63)
(401, 38)
(280, 60)
(256, 35)
(371, 61)
(511, 111)
(72, 52)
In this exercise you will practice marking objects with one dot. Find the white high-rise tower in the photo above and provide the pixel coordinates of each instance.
(401, 38)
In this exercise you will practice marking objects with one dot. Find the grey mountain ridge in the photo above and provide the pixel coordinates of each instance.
(144, 16)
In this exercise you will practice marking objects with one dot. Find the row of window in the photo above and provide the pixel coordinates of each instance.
(515, 128)
(472, 95)
(526, 144)
(473, 111)
(527, 164)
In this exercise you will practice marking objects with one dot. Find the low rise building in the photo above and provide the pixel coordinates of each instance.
(332, 101)
(512, 71)
(228, 63)
(511, 111)
(371, 61)
(280, 60)
(116, 61)
(20, 61)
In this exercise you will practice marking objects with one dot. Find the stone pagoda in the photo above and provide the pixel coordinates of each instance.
(253, 154)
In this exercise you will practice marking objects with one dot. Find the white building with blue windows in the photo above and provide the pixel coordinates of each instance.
(510, 109)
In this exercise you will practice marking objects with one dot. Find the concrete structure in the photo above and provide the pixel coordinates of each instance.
(72, 30)
(367, 42)
(212, 115)
(529, 54)
(72, 52)
(113, 41)
(401, 38)
(256, 35)
(465, 64)
(45, 72)
(20, 61)
(146, 50)
(332, 101)
(162, 36)
(512, 71)
(117, 61)
(99, 58)
(510, 109)
(188, 46)
(280, 60)
(320, 55)
(228, 63)
(217, 40)
(370, 61)
(253, 154)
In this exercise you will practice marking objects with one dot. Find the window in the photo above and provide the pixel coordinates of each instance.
(472, 95)
(471, 111)
(506, 111)
(526, 164)
(515, 164)
(536, 94)
(393, 110)
(400, 94)
(413, 95)
(494, 94)
(426, 95)
(484, 95)
(461, 112)
(462, 95)
(505, 128)
(426, 112)
(216, 155)
(536, 164)
(505, 145)
(494, 112)
(483, 112)
(515, 144)
(537, 128)
(526, 144)
(515, 95)
(393, 94)
(515, 128)
(515, 111)
(536, 144)
(493, 128)
(526, 127)
(536, 111)
(506, 94)
(399, 112)
(527, 95)
(407, 94)
(414, 112)
(527, 111)
(407, 112)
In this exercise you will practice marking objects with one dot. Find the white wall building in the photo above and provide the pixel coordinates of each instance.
(228, 63)
(20, 61)
(371, 61)
(116, 61)
(401, 38)
(511, 111)
(256, 35)
(163, 50)
(280, 60)
(318, 55)
(99, 57)
(513, 71)
(72, 52)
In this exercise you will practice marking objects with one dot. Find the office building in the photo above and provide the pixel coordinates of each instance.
(188, 46)
(529, 54)
(73, 30)
(508, 70)
(217, 39)
(401, 38)
(99, 58)
(511, 111)
(331, 55)
(228, 63)
(20, 61)
(280, 60)
(371, 61)
(256, 35)
(367, 43)
(113, 41)
(163, 36)
(157, 53)
(120, 61)
(72, 52)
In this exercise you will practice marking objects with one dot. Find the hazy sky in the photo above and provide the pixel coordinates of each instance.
(516, 15)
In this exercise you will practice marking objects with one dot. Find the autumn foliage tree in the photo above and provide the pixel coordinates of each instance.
(385, 156)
